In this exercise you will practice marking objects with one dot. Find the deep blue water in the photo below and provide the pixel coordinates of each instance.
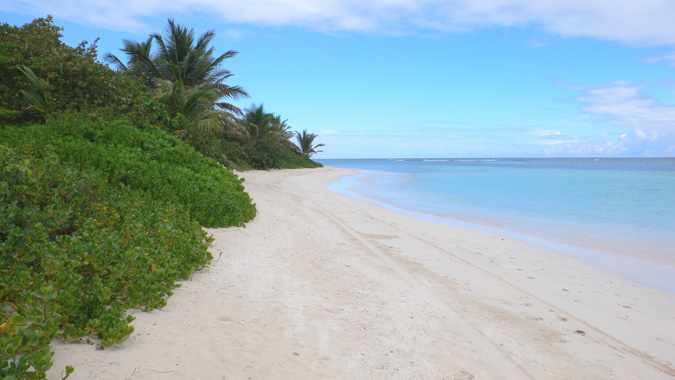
(618, 213)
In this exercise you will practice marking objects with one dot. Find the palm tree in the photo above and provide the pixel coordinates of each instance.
(194, 60)
(306, 143)
(195, 105)
(181, 57)
(282, 129)
(264, 128)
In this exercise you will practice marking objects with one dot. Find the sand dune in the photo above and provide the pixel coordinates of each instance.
(323, 286)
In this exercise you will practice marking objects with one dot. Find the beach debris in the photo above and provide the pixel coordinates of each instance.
(580, 332)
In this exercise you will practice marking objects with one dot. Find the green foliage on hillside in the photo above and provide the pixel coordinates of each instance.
(73, 79)
(189, 87)
(144, 159)
(77, 81)
(97, 217)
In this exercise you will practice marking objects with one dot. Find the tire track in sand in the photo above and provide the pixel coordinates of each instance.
(483, 344)
(602, 337)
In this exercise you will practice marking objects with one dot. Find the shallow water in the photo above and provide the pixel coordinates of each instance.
(617, 213)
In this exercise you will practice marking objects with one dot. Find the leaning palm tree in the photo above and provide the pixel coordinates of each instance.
(306, 143)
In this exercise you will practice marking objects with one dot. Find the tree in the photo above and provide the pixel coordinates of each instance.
(306, 143)
(282, 128)
(193, 105)
(182, 58)
(76, 80)
(263, 128)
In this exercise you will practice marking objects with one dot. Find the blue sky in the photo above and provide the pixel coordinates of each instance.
(428, 78)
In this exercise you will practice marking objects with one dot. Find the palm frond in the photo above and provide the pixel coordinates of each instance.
(39, 96)
(197, 101)
(230, 109)
(140, 57)
(209, 123)
(112, 59)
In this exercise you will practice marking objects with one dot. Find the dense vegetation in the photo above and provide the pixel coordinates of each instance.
(179, 88)
(99, 213)
(97, 217)
(189, 89)
(75, 80)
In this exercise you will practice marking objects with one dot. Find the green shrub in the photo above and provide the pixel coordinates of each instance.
(228, 153)
(148, 160)
(244, 157)
(77, 81)
(276, 156)
(291, 160)
(95, 218)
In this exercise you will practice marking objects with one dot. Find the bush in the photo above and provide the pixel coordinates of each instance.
(77, 81)
(233, 154)
(145, 159)
(215, 146)
(276, 156)
(291, 160)
(97, 217)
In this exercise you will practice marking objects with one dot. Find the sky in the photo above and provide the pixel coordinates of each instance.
(427, 78)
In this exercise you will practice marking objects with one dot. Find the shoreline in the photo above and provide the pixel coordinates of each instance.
(322, 285)
(653, 271)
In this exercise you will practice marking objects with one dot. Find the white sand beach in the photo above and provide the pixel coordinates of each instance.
(324, 286)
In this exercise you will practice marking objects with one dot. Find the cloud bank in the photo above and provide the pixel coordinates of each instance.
(644, 22)
(648, 124)
(624, 103)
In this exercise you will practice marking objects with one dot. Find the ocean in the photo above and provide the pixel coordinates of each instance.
(615, 213)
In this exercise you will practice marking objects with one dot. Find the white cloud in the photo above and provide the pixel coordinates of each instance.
(535, 42)
(668, 58)
(649, 126)
(556, 142)
(234, 34)
(624, 103)
(548, 138)
(630, 21)
(545, 133)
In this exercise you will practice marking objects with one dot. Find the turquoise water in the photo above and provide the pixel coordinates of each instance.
(617, 213)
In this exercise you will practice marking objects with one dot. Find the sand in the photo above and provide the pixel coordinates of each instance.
(324, 286)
